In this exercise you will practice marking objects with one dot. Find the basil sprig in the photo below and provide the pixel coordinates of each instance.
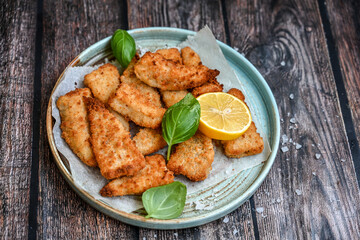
(165, 202)
(181, 121)
(123, 47)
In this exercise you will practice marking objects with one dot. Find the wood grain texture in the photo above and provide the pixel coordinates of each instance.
(302, 197)
(69, 28)
(192, 15)
(345, 24)
(17, 52)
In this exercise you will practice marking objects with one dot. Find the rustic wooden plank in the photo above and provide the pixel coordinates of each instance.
(193, 16)
(302, 197)
(17, 51)
(69, 28)
(345, 24)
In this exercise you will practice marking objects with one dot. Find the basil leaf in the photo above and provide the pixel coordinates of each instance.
(165, 202)
(181, 121)
(123, 47)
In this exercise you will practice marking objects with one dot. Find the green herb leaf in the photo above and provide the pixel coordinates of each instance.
(123, 47)
(181, 121)
(165, 202)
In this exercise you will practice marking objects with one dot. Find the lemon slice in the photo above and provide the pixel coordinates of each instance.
(223, 116)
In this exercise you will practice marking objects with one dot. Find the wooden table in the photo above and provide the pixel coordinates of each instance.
(303, 48)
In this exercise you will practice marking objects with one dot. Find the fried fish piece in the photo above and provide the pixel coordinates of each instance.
(129, 77)
(157, 71)
(170, 97)
(193, 158)
(103, 82)
(116, 154)
(211, 86)
(74, 124)
(123, 120)
(149, 140)
(131, 103)
(190, 57)
(250, 143)
(154, 174)
(171, 54)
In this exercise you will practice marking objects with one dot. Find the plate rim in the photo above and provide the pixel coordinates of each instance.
(138, 220)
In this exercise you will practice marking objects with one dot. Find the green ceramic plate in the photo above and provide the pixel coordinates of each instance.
(226, 196)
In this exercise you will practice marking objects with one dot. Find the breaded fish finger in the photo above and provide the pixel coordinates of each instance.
(149, 141)
(211, 86)
(156, 71)
(193, 158)
(115, 152)
(171, 54)
(129, 77)
(250, 143)
(154, 174)
(131, 103)
(170, 97)
(103, 82)
(190, 57)
(123, 120)
(74, 124)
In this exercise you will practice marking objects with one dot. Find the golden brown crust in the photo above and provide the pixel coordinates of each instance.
(121, 118)
(211, 86)
(171, 54)
(103, 82)
(149, 141)
(193, 158)
(250, 143)
(190, 57)
(131, 103)
(154, 174)
(170, 97)
(156, 71)
(130, 78)
(75, 125)
(115, 152)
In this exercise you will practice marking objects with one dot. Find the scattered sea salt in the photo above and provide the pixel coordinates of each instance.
(291, 96)
(155, 236)
(317, 155)
(288, 114)
(284, 149)
(314, 173)
(175, 234)
(298, 192)
(259, 209)
(282, 120)
(298, 146)
(282, 63)
(236, 49)
(226, 219)
(343, 160)
(312, 145)
(235, 231)
(292, 120)
(199, 206)
(285, 139)
(278, 200)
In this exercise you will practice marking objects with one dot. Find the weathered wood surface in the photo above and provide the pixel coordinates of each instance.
(303, 197)
(69, 27)
(345, 24)
(17, 52)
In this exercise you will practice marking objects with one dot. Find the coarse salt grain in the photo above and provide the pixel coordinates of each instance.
(259, 209)
(298, 192)
(226, 219)
(284, 149)
(292, 120)
(291, 96)
(317, 156)
(298, 146)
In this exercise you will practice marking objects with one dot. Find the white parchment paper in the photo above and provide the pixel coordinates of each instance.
(90, 179)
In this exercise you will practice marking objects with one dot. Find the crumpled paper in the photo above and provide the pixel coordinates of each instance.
(90, 180)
